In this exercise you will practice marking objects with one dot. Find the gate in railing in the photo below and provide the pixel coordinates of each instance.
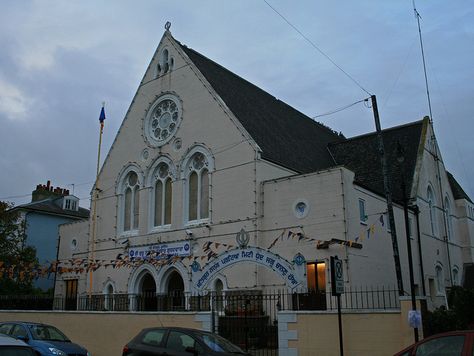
(248, 320)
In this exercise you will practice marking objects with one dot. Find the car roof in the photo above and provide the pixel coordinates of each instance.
(178, 328)
(447, 333)
(10, 341)
(23, 322)
(435, 336)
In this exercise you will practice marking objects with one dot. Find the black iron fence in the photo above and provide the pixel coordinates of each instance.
(235, 303)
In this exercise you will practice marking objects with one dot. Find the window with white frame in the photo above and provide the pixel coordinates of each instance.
(197, 187)
(432, 209)
(439, 279)
(455, 276)
(109, 297)
(449, 220)
(362, 213)
(131, 202)
(162, 195)
(70, 203)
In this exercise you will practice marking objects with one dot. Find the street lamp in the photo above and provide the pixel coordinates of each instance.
(401, 159)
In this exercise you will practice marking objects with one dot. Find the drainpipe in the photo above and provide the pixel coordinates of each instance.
(416, 210)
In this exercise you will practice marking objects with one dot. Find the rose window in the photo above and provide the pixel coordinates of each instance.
(163, 121)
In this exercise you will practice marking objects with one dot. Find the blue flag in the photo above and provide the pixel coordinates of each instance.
(102, 117)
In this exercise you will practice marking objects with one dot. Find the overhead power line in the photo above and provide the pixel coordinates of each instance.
(317, 48)
(340, 109)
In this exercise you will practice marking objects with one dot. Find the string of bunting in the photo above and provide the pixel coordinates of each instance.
(323, 244)
(81, 265)
(320, 244)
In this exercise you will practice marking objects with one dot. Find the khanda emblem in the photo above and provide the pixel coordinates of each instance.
(242, 238)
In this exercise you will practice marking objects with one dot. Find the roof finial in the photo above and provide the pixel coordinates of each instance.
(167, 25)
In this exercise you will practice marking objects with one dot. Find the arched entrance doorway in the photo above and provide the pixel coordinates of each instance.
(147, 294)
(175, 291)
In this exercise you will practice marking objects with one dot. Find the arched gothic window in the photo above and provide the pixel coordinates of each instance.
(432, 209)
(131, 202)
(449, 220)
(197, 187)
(439, 279)
(456, 277)
(109, 297)
(162, 195)
(164, 63)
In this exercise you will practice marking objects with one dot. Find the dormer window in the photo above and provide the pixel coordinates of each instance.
(70, 203)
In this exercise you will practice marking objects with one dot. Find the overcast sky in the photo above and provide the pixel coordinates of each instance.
(60, 59)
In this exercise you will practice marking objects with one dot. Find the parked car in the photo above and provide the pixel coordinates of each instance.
(452, 343)
(45, 339)
(14, 347)
(174, 341)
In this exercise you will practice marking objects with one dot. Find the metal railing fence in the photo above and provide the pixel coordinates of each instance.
(231, 303)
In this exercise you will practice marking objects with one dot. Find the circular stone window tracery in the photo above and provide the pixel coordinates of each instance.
(162, 120)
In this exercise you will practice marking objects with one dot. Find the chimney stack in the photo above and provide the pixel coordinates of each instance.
(47, 191)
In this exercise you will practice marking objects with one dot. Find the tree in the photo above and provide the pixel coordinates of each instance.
(17, 260)
(460, 315)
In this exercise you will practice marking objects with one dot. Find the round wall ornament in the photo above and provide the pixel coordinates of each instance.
(299, 259)
(242, 238)
(195, 266)
(162, 120)
(301, 208)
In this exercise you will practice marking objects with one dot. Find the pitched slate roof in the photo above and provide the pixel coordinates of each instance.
(49, 206)
(360, 154)
(285, 135)
(458, 192)
(294, 140)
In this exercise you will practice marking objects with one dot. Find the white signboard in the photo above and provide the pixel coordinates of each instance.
(414, 318)
(181, 248)
(251, 254)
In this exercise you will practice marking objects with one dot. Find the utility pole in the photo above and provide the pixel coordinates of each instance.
(410, 257)
(388, 196)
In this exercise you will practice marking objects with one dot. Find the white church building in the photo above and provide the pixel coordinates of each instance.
(213, 184)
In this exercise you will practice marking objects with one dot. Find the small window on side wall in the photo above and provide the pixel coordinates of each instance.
(439, 280)
(455, 277)
(387, 222)
(362, 213)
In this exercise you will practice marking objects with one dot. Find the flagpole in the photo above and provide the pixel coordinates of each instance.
(95, 196)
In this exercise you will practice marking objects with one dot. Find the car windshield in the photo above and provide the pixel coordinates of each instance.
(47, 332)
(219, 344)
(16, 351)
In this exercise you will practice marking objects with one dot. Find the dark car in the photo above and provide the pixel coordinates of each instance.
(174, 341)
(452, 343)
(45, 339)
(14, 347)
